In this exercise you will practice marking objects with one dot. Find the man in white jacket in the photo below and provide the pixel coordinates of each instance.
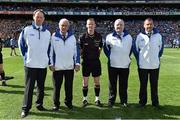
(118, 48)
(148, 49)
(34, 42)
(64, 58)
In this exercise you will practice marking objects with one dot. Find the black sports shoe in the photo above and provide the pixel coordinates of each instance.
(124, 105)
(8, 77)
(69, 105)
(85, 103)
(4, 83)
(157, 106)
(110, 104)
(140, 105)
(98, 103)
(41, 108)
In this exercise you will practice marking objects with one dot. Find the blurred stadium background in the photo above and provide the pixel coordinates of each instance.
(15, 14)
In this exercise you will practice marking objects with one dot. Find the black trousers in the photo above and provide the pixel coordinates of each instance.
(114, 74)
(68, 85)
(1, 58)
(153, 74)
(33, 75)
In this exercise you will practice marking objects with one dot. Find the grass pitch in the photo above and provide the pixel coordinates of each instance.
(11, 97)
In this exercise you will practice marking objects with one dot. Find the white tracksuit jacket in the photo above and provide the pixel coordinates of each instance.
(64, 54)
(148, 50)
(34, 45)
(118, 50)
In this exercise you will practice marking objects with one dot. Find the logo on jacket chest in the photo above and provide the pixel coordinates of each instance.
(95, 43)
(57, 40)
(31, 34)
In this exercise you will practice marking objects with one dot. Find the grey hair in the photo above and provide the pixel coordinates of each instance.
(118, 20)
(64, 19)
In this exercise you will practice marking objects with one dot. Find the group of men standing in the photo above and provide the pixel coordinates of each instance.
(62, 52)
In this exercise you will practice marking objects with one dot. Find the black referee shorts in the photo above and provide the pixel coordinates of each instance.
(1, 58)
(12, 47)
(91, 67)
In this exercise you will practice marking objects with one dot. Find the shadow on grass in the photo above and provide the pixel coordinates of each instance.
(131, 112)
(48, 88)
(21, 86)
(19, 92)
(21, 89)
(15, 86)
(12, 91)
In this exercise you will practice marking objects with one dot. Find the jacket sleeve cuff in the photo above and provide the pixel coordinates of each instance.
(77, 64)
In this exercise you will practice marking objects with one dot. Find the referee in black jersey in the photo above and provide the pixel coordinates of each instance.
(91, 45)
(3, 78)
(2, 74)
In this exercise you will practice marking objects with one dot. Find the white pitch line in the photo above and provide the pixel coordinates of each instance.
(118, 118)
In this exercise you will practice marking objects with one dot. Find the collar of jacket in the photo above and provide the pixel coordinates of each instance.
(43, 27)
(155, 30)
(87, 35)
(115, 34)
(57, 34)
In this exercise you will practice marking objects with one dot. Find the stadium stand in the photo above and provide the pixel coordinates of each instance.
(90, 1)
(14, 15)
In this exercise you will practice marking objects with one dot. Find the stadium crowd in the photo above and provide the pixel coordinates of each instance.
(168, 28)
(93, 8)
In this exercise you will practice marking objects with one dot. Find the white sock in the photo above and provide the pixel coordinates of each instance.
(96, 98)
(84, 98)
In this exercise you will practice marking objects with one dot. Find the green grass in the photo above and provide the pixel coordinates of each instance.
(11, 97)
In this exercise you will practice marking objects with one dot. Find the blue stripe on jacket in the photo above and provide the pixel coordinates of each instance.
(135, 52)
(57, 34)
(107, 51)
(44, 27)
(48, 52)
(22, 45)
(162, 49)
(78, 53)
